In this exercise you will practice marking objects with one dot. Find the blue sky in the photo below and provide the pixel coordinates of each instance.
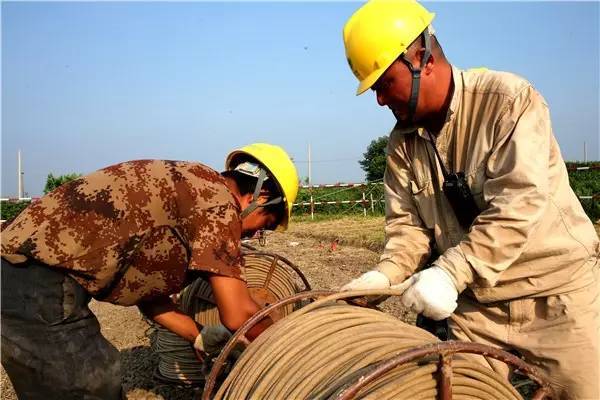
(86, 85)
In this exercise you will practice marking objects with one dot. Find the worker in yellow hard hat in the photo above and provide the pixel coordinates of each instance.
(475, 174)
(132, 234)
(261, 160)
(377, 40)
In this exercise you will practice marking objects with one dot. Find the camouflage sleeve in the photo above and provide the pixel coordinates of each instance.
(216, 243)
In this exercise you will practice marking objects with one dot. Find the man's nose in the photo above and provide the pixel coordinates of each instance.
(380, 98)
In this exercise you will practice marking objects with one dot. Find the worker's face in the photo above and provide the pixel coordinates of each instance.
(393, 90)
(257, 220)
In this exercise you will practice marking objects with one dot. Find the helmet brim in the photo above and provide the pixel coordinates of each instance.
(370, 80)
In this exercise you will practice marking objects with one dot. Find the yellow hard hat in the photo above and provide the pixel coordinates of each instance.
(378, 33)
(279, 165)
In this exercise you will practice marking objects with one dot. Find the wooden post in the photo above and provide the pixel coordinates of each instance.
(372, 205)
(364, 204)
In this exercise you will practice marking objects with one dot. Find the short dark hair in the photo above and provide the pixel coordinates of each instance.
(418, 44)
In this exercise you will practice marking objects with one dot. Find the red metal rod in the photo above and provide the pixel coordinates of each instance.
(289, 263)
(447, 349)
(542, 393)
(271, 270)
(445, 376)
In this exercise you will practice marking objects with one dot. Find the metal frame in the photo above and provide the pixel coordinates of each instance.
(445, 351)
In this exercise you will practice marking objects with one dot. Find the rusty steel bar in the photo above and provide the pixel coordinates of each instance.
(445, 376)
(290, 264)
(240, 334)
(271, 270)
(542, 393)
(448, 349)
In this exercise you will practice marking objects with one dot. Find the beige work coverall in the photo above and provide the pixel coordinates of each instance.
(528, 266)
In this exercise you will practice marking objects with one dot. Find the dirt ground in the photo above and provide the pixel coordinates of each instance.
(325, 260)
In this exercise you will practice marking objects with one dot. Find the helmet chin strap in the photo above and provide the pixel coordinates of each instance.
(255, 204)
(416, 75)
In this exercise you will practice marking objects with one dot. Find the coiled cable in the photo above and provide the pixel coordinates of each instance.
(317, 351)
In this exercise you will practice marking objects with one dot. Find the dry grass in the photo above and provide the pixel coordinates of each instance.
(357, 231)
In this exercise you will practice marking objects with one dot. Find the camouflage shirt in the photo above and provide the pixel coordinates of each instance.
(131, 231)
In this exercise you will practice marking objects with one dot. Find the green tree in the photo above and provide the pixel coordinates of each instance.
(11, 208)
(52, 182)
(373, 162)
(587, 183)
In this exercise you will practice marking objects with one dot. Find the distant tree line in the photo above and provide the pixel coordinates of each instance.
(584, 183)
(373, 162)
(52, 182)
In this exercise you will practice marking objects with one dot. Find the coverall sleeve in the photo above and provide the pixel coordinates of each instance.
(407, 240)
(516, 191)
(216, 242)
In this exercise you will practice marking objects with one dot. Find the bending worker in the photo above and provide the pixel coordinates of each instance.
(131, 234)
(475, 173)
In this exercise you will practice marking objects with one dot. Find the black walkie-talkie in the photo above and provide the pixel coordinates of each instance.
(457, 192)
(460, 198)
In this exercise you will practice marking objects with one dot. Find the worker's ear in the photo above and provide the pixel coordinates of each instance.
(264, 196)
(245, 200)
(430, 63)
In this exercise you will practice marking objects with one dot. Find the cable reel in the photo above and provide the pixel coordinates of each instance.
(270, 278)
(334, 350)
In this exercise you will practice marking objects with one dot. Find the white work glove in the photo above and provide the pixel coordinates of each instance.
(211, 339)
(368, 280)
(430, 292)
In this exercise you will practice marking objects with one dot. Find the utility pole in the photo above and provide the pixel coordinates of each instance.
(312, 206)
(309, 167)
(20, 176)
(584, 152)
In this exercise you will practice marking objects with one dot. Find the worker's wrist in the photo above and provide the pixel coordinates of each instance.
(199, 343)
(394, 273)
(454, 263)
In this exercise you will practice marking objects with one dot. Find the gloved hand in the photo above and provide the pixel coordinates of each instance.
(211, 339)
(209, 344)
(368, 280)
(430, 292)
